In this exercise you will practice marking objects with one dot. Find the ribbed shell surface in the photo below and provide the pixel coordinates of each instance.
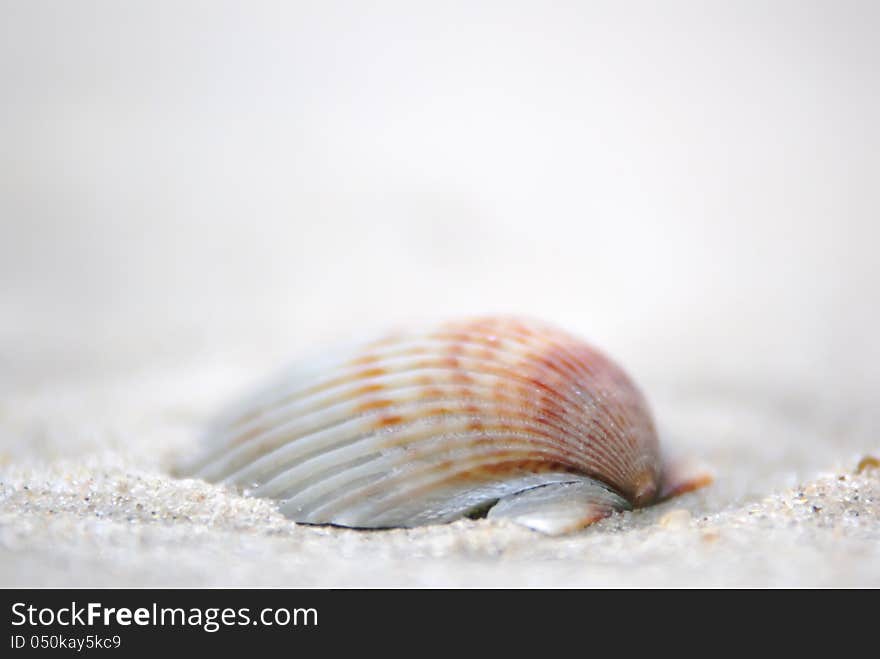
(428, 426)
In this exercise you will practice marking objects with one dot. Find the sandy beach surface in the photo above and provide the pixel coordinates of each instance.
(87, 501)
(192, 199)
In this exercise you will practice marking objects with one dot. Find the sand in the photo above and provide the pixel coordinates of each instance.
(85, 500)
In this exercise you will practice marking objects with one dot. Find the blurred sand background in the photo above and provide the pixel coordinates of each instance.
(194, 193)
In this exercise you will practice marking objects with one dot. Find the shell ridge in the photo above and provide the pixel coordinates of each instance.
(414, 482)
(252, 447)
(299, 375)
(604, 422)
(408, 388)
(423, 435)
(573, 412)
(387, 469)
(492, 418)
(586, 379)
(397, 355)
(576, 368)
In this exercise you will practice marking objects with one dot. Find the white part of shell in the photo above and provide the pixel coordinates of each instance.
(560, 508)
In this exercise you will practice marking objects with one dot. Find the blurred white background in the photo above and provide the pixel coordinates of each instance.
(693, 185)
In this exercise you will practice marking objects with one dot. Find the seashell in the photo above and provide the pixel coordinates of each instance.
(497, 414)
